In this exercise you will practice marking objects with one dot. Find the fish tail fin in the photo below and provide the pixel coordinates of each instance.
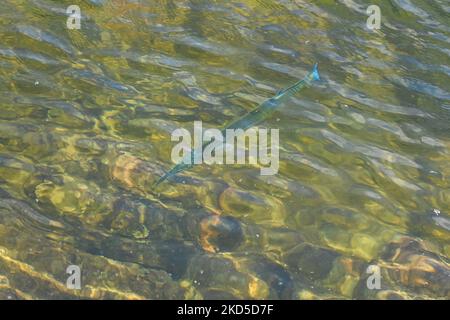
(161, 179)
(315, 72)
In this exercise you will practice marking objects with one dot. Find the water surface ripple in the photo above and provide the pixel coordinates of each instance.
(85, 123)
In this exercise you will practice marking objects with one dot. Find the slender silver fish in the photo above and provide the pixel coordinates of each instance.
(252, 118)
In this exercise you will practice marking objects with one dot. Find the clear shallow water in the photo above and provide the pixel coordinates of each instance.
(85, 124)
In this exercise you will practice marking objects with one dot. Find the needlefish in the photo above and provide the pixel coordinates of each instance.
(252, 118)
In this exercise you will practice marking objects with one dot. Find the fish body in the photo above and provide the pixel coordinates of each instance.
(252, 118)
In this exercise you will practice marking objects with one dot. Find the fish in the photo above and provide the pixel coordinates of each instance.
(252, 118)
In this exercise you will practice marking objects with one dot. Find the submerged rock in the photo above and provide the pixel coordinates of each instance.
(33, 264)
(408, 265)
(25, 210)
(278, 279)
(133, 172)
(310, 262)
(413, 265)
(253, 207)
(219, 233)
(74, 197)
(244, 277)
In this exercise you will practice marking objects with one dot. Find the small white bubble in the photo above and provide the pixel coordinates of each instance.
(36, 83)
